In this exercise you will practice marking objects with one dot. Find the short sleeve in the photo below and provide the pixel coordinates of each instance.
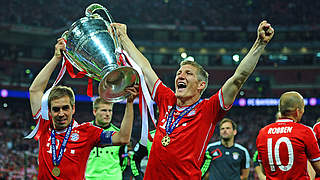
(313, 152)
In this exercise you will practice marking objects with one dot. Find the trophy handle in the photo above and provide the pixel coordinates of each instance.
(92, 8)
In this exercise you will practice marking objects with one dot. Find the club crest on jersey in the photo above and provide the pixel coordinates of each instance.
(235, 155)
(74, 137)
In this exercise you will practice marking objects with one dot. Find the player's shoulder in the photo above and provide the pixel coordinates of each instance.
(267, 127)
(239, 146)
(86, 125)
(303, 127)
(214, 145)
(316, 126)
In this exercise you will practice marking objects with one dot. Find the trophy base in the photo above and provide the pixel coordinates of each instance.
(113, 84)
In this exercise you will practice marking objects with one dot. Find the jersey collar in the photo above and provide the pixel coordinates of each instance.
(284, 120)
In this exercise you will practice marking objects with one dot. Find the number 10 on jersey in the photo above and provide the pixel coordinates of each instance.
(276, 154)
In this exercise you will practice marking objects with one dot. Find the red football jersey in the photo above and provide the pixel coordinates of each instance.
(182, 158)
(316, 129)
(284, 148)
(74, 160)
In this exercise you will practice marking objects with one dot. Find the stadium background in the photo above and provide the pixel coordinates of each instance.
(217, 34)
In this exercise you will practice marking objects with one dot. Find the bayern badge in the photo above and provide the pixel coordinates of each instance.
(235, 155)
(74, 137)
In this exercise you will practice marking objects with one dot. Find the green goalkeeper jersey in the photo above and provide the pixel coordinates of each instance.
(107, 162)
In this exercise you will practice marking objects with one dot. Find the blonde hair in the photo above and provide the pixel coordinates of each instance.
(289, 102)
(98, 101)
(58, 92)
(202, 74)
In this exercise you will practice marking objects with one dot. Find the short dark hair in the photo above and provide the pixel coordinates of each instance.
(224, 120)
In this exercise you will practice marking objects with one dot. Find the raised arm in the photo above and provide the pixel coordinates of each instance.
(39, 84)
(149, 74)
(123, 136)
(233, 85)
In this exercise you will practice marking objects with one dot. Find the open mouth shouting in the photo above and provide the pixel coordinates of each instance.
(181, 86)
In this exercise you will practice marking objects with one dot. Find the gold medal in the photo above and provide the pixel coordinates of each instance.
(56, 171)
(165, 140)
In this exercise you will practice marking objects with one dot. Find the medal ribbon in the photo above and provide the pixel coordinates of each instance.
(56, 160)
(169, 128)
(145, 100)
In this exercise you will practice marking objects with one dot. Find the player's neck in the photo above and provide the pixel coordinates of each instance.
(104, 126)
(227, 143)
(187, 101)
(289, 117)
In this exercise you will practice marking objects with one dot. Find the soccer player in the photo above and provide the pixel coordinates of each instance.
(316, 129)
(139, 152)
(106, 162)
(285, 146)
(186, 122)
(65, 145)
(226, 159)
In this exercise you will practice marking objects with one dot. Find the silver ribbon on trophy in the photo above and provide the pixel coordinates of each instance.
(92, 47)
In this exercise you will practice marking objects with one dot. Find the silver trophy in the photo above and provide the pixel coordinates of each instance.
(91, 47)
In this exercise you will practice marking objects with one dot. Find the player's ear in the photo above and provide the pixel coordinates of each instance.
(202, 85)
(235, 132)
(73, 109)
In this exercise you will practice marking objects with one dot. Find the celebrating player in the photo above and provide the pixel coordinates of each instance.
(64, 145)
(186, 122)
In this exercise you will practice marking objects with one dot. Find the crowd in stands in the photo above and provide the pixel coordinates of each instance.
(59, 13)
(17, 153)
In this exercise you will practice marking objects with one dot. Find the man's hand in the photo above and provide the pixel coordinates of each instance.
(59, 47)
(134, 92)
(265, 32)
(121, 30)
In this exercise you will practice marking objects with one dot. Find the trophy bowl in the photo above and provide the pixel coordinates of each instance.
(91, 46)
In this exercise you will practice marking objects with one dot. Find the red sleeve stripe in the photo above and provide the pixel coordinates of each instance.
(154, 90)
(221, 100)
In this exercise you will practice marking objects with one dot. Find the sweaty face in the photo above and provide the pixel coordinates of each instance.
(186, 82)
(226, 131)
(103, 115)
(61, 112)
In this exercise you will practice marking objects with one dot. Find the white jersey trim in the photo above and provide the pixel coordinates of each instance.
(155, 87)
(314, 160)
(246, 153)
(284, 120)
(217, 143)
(315, 125)
(204, 142)
(214, 144)
(221, 100)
